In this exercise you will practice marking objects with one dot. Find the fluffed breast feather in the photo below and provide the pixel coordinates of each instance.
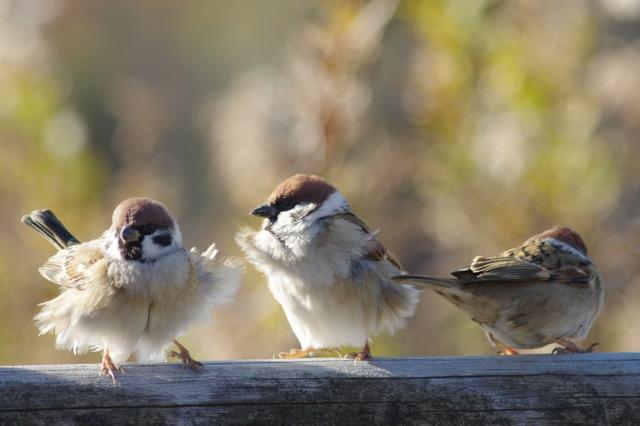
(338, 291)
(95, 309)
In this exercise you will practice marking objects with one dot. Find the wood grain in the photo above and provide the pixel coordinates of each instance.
(531, 390)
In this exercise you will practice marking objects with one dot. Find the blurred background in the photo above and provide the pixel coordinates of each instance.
(457, 128)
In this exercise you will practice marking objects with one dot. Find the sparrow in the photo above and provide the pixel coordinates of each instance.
(327, 270)
(544, 292)
(132, 290)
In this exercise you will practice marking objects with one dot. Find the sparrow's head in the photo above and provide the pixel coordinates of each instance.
(299, 202)
(144, 230)
(564, 235)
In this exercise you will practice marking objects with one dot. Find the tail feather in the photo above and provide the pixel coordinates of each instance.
(398, 302)
(433, 282)
(46, 223)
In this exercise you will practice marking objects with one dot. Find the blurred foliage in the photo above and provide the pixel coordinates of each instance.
(457, 128)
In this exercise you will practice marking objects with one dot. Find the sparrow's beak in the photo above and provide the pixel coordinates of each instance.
(265, 210)
(130, 235)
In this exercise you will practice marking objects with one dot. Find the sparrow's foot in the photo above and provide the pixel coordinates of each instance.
(508, 351)
(294, 353)
(359, 356)
(108, 367)
(363, 355)
(184, 355)
(572, 348)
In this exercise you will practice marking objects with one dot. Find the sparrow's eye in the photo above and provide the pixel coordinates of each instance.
(285, 204)
(162, 239)
(147, 229)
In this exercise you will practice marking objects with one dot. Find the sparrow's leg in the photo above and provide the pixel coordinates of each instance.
(568, 347)
(295, 353)
(185, 357)
(108, 366)
(363, 355)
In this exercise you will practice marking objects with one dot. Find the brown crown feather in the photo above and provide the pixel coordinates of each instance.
(302, 188)
(566, 235)
(141, 211)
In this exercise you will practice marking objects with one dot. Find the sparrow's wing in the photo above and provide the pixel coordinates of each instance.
(380, 253)
(377, 252)
(219, 276)
(75, 267)
(501, 269)
(537, 261)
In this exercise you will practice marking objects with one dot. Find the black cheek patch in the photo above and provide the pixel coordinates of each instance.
(163, 239)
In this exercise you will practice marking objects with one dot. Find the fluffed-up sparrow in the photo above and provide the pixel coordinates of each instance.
(132, 290)
(325, 267)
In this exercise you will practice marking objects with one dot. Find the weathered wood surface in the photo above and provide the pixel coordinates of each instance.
(539, 389)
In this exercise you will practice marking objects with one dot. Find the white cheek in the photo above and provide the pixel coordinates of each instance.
(152, 250)
(287, 218)
(294, 221)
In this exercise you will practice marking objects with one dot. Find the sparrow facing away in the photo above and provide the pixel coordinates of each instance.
(133, 289)
(546, 291)
(326, 268)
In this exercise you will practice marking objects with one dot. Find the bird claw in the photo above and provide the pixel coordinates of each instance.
(573, 350)
(363, 355)
(108, 367)
(184, 356)
(359, 356)
(590, 348)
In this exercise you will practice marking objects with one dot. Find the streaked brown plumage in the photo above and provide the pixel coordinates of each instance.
(545, 291)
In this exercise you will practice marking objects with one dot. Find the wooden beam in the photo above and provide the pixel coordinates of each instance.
(537, 389)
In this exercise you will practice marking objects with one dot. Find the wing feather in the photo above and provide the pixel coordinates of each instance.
(539, 260)
(503, 269)
(218, 275)
(74, 267)
(378, 252)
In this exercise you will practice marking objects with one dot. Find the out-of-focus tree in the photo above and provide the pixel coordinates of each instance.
(305, 114)
(500, 92)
